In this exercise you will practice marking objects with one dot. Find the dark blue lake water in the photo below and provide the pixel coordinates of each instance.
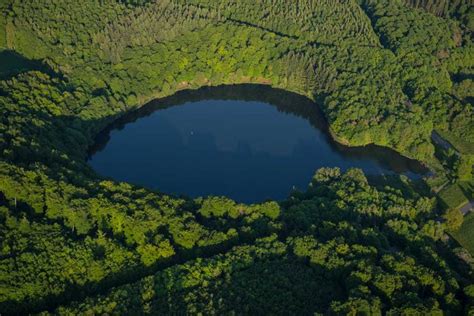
(248, 142)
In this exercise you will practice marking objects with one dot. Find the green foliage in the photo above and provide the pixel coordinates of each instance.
(301, 48)
(135, 2)
(383, 72)
(454, 219)
(462, 145)
(464, 168)
(453, 197)
(218, 207)
(469, 291)
(463, 10)
(352, 245)
(3, 34)
(465, 234)
(152, 253)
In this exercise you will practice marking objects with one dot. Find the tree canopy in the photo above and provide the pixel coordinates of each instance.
(385, 72)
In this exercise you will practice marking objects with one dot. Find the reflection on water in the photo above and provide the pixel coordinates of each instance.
(247, 142)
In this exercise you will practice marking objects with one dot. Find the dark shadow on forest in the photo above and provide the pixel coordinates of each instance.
(459, 77)
(285, 102)
(12, 64)
(264, 287)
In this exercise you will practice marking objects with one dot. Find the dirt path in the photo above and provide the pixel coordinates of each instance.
(467, 208)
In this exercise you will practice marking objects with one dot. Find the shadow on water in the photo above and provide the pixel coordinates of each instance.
(242, 164)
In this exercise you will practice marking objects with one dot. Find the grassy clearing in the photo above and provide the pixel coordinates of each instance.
(453, 196)
(436, 182)
(465, 234)
(468, 189)
(461, 145)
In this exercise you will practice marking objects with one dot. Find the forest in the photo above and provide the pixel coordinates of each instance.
(387, 72)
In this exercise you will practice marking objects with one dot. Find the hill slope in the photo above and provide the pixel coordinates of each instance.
(387, 73)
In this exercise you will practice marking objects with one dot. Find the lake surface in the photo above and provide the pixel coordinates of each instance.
(247, 142)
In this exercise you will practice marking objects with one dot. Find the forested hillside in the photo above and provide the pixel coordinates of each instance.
(388, 73)
(462, 10)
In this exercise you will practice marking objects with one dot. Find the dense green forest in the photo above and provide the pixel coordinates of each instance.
(385, 72)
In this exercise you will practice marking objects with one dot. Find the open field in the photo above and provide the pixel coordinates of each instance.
(465, 235)
(453, 196)
(461, 145)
